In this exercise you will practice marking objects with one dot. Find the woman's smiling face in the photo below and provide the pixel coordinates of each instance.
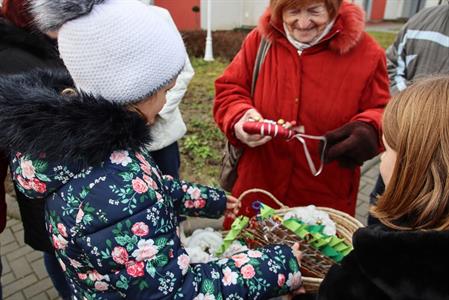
(306, 24)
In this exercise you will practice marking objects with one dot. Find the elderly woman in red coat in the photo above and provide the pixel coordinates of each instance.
(323, 72)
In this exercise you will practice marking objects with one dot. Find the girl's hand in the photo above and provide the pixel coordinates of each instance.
(296, 292)
(298, 254)
(232, 207)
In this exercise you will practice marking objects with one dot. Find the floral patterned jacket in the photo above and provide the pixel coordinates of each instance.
(111, 216)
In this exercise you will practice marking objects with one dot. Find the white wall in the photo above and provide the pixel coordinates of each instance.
(225, 14)
(393, 9)
(230, 14)
(430, 3)
(252, 10)
(358, 2)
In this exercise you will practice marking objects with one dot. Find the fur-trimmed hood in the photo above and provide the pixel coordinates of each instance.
(387, 264)
(75, 131)
(33, 42)
(346, 33)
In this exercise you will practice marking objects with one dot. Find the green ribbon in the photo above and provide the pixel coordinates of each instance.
(236, 228)
(266, 211)
(331, 246)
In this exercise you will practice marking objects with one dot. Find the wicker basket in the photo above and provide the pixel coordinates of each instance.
(346, 226)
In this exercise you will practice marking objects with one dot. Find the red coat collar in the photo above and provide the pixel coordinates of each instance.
(344, 36)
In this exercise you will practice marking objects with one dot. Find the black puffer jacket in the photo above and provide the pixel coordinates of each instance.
(22, 51)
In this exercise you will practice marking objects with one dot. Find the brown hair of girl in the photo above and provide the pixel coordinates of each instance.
(416, 127)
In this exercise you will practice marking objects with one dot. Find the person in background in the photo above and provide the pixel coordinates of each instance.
(420, 49)
(169, 126)
(22, 49)
(112, 215)
(326, 74)
(405, 256)
(3, 173)
(3, 209)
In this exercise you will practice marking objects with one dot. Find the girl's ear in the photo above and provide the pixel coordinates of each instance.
(133, 107)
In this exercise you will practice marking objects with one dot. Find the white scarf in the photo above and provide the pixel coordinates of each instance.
(301, 46)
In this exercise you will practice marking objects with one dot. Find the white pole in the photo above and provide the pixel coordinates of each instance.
(208, 52)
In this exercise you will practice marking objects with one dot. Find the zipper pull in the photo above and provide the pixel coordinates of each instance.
(299, 52)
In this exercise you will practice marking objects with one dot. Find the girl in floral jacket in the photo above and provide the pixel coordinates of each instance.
(112, 217)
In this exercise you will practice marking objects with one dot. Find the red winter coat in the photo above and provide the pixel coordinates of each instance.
(341, 79)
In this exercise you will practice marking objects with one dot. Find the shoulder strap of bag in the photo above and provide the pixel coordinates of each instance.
(260, 57)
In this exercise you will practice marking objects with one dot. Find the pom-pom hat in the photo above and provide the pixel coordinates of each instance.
(121, 50)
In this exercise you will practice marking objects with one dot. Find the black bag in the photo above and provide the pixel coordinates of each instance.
(232, 154)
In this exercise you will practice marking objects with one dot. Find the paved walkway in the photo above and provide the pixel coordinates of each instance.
(370, 172)
(24, 275)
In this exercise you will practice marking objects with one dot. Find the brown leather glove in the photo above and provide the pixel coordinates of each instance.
(352, 144)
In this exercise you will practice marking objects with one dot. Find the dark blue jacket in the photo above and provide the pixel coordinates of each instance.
(111, 215)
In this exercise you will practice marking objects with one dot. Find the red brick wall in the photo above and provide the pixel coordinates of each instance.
(182, 13)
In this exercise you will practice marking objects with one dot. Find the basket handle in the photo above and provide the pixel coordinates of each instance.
(247, 192)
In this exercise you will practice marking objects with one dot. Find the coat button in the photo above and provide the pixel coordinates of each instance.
(296, 100)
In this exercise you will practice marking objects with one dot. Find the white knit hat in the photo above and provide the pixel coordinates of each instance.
(121, 50)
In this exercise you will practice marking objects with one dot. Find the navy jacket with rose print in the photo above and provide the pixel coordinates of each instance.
(112, 217)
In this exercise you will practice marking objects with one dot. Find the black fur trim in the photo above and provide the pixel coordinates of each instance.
(388, 264)
(392, 258)
(36, 119)
(50, 15)
(33, 42)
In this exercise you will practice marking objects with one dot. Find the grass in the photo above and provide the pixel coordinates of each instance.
(201, 148)
(385, 39)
